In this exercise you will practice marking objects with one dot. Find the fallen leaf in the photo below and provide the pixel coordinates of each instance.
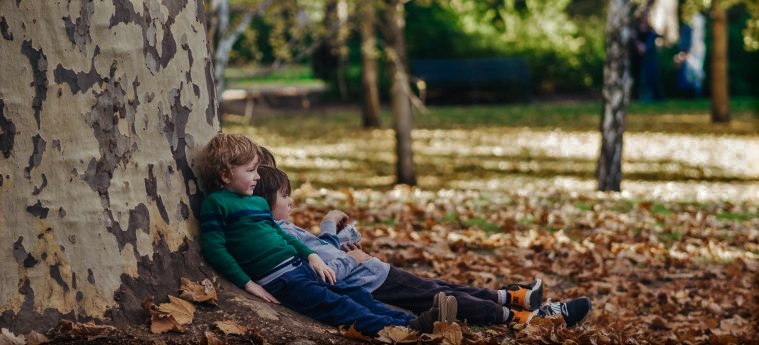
(231, 327)
(8, 338)
(181, 310)
(397, 335)
(352, 333)
(210, 339)
(89, 329)
(198, 292)
(169, 316)
(451, 332)
(35, 338)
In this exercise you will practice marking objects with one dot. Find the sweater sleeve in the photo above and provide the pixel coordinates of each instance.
(302, 250)
(213, 242)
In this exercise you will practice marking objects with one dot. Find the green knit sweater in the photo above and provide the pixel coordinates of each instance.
(240, 239)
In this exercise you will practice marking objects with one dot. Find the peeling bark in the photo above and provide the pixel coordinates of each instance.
(7, 132)
(38, 64)
(4, 29)
(123, 110)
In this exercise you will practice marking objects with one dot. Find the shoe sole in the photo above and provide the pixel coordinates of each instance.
(452, 307)
(442, 305)
(535, 296)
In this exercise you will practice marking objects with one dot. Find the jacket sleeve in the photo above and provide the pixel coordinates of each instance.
(343, 264)
(214, 243)
(302, 250)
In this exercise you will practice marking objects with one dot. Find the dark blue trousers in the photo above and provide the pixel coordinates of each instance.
(415, 293)
(337, 305)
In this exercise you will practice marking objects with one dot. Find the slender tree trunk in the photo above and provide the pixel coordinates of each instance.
(401, 103)
(103, 105)
(719, 82)
(616, 95)
(370, 104)
(224, 39)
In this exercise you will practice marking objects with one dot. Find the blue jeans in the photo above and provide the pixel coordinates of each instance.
(337, 305)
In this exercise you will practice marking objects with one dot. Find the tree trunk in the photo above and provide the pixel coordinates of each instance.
(616, 95)
(103, 105)
(401, 103)
(370, 104)
(719, 83)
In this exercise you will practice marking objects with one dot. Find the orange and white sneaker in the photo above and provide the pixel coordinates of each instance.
(520, 316)
(525, 296)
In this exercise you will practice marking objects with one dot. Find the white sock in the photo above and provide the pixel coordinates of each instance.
(503, 298)
(506, 313)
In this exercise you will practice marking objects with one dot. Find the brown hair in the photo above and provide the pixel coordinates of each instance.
(222, 153)
(272, 181)
(267, 158)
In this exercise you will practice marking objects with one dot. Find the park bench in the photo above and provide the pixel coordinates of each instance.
(472, 80)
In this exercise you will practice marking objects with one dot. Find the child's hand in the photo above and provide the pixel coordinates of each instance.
(359, 255)
(260, 292)
(318, 265)
(339, 217)
(347, 247)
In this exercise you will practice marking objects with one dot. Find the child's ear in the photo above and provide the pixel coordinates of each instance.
(226, 176)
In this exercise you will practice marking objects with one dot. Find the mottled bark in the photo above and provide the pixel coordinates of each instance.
(616, 95)
(370, 103)
(719, 81)
(401, 103)
(103, 105)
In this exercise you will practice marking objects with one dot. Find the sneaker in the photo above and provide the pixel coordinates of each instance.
(443, 309)
(525, 296)
(518, 315)
(574, 311)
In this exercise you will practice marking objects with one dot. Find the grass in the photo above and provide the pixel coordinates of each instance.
(740, 216)
(674, 116)
(251, 77)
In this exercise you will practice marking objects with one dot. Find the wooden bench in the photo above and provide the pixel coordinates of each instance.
(473, 80)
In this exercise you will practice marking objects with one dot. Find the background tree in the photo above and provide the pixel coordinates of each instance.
(370, 102)
(222, 38)
(719, 62)
(399, 90)
(102, 107)
(616, 94)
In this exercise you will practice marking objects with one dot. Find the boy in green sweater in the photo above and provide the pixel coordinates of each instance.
(242, 242)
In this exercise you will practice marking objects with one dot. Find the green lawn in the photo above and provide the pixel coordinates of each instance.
(675, 116)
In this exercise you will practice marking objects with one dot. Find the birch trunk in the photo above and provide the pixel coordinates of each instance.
(103, 106)
(616, 95)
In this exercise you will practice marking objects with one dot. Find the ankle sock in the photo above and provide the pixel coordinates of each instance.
(503, 297)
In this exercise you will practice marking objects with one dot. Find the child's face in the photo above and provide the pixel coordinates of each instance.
(241, 179)
(281, 208)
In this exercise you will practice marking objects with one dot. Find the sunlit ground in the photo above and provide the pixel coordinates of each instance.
(508, 193)
(330, 150)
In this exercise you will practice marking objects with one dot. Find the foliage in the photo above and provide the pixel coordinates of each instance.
(564, 53)
(654, 276)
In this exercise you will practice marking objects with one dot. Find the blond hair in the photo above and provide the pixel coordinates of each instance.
(222, 153)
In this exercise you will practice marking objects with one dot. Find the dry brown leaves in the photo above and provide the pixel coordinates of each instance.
(198, 292)
(89, 330)
(657, 272)
(172, 316)
(231, 327)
